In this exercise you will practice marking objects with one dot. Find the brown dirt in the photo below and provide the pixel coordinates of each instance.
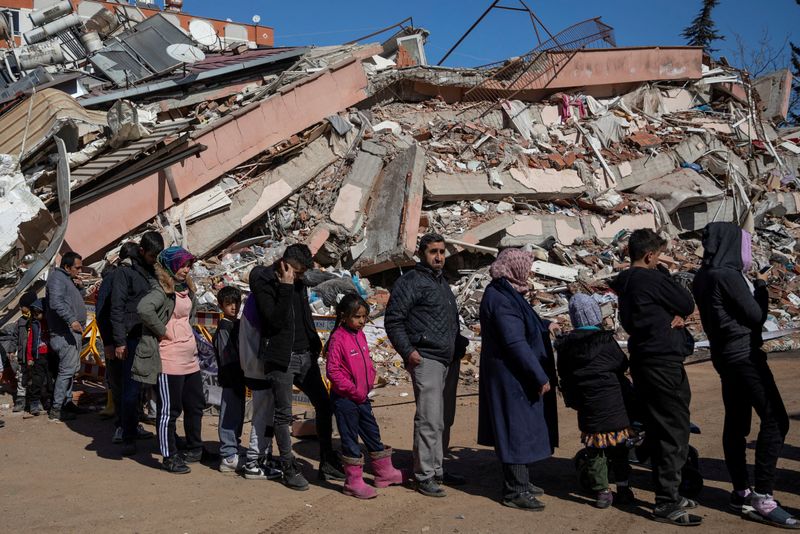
(69, 477)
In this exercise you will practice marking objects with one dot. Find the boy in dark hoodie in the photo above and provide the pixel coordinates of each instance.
(652, 308)
(21, 336)
(733, 311)
(36, 357)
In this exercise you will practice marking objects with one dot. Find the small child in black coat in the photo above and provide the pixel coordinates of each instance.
(591, 369)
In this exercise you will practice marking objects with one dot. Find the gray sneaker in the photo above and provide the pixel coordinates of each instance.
(229, 465)
(292, 476)
(430, 488)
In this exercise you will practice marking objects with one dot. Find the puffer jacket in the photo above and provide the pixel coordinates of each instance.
(591, 371)
(349, 366)
(732, 314)
(422, 315)
(132, 281)
(155, 310)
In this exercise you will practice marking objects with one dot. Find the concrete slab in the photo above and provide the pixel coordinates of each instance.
(535, 184)
(681, 188)
(348, 211)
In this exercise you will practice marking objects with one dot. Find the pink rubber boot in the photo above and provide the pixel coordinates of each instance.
(385, 473)
(354, 484)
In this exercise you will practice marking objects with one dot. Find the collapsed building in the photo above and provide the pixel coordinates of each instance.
(234, 149)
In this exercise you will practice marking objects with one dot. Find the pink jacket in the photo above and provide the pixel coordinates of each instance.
(349, 366)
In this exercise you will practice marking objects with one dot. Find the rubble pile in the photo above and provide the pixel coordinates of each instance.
(358, 149)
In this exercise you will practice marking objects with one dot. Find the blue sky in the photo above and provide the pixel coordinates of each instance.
(506, 33)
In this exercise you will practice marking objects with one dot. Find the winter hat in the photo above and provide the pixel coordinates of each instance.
(584, 311)
(37, 305)
(27, 299)
(514, 265)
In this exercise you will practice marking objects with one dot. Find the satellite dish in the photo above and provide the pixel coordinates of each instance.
(256, 19)
(203, 32)
(185, 53)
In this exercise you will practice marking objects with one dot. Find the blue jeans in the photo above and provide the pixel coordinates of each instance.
(129, 411)
(68, 350)
(356, 420)
(231, 419)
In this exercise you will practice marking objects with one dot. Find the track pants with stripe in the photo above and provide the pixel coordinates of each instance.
(176, 394)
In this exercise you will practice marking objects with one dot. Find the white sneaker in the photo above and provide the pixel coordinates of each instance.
(117, 435)
(229, 465)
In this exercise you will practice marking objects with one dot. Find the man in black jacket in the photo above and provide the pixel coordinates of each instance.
(423, 325)
(290, 347)
(132, 281)
(733, 311)
(652, 308)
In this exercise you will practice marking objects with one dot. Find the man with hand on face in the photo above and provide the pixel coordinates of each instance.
(290, 347)
(423, 325)
(66, 317)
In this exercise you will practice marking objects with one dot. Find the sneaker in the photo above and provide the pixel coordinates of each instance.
(252, 471)
(117, 435)
(2, 423)
(330, 470)
(271, 467)
(430, 488)
(624, 495)
(449, 479)
(58, 416)
(193, 456)
(230, 464)
(141, 433)
(19, 405)
(604, 499)
(129, 448)
(36, 408)
(524, 501)
(740, 503)
(292, 476)
(175, 464)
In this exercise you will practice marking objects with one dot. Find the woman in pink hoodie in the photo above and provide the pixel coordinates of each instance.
(352, 375)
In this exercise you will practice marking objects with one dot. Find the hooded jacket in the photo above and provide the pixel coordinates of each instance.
(349, 366)
(422, 315)
(274, 305)
(64, 303)
(132, 281)
(155, 309)
(649, 299)
(591, 371)
(732, 315)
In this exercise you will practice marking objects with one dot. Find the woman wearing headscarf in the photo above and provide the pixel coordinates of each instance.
(517, 405)
(167, 356)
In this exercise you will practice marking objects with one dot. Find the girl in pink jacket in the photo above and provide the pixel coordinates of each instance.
(350, 370)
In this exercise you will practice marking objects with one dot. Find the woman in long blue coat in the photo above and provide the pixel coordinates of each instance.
(517, 406)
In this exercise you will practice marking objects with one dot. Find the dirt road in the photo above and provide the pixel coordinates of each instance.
(57, 477)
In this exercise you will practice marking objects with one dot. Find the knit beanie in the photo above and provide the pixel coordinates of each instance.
(584, 311)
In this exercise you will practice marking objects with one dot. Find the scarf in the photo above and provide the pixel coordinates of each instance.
(172, 259)
(515, 266)
(747, 251)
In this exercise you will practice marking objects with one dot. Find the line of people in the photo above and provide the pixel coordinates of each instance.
(145, 312)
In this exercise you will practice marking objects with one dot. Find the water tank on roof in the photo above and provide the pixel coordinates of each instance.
(39, 55)
(51, 28)
(43, 16)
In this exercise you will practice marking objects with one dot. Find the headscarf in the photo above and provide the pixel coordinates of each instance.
(514, 265)
(584, 311)
(172, 259)
(747, 251)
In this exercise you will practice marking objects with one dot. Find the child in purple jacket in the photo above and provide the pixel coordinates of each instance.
(350, 370)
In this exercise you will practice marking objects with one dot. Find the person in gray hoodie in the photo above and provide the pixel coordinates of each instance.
(66, 318)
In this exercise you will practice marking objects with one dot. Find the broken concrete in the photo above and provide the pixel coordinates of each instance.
(348, 211)
(681, 188)
(534, 184)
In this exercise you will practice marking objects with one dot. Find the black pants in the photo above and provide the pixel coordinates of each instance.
(356, 420)
(749, 385)
(516, 480)
(664, 395)
(114, 373)
(39, 377)
(304, 373)
(176, 394)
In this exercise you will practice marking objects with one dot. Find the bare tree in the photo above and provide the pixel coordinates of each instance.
(763, 56)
